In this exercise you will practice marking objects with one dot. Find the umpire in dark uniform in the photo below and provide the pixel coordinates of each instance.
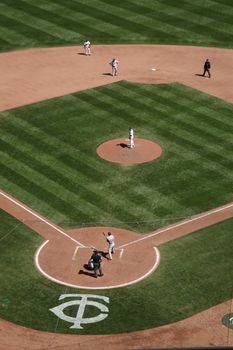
(207, 67)
(96, 259)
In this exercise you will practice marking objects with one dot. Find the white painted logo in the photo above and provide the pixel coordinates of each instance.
(231, 320)
(82, 303)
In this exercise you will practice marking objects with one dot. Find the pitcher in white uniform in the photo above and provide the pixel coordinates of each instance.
(131, 138)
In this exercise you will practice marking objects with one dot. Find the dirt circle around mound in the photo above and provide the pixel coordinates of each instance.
(118, 151)
(53, 258)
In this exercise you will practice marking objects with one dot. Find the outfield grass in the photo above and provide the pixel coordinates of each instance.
(46, 23)
(195, 273)
(49, 161)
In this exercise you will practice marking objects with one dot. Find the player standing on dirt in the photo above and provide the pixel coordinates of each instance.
(207, 67)
(96, 259)
(87, 48)
(114, 63)
(111, 244)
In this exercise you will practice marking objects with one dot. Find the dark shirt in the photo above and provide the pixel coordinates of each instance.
(207, 65)
(96, 258)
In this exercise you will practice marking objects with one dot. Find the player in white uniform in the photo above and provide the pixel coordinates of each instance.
(114, 63)
(111, 244)
(87, 48)
(131, 138)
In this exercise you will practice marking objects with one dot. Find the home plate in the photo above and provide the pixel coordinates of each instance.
(153, 69)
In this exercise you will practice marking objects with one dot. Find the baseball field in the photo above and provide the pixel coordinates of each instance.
(170, 283)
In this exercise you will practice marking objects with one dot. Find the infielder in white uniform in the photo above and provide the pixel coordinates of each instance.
(131, 138)
(114, 63)
(87, 48)
(111, 244)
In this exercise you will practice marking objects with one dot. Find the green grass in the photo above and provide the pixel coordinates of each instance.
(46, 23)
(49, 161)
(195, 273)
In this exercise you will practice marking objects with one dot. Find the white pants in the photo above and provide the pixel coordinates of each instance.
(114, 70)
(110, 250)
(131, 142)
(87, 51)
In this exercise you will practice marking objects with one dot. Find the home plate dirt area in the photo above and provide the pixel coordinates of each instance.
(122, 270)
(46, 73)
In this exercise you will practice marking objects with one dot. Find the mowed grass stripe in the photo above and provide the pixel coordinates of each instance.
(182, 109)
(113, 17)
(209, 168)
(202, 119)
(127, 205)
(196, 130)
(88, 195)
(144, 16)
(76, 147)
(217, 14)
(12, 37)
(81, 204)
(53, 24)
(9, 20)
(217, 106)
(47, 176)
(56, 203)
(57, 23)
(82, 19)
(66, 153)
(169, 21)
(181, 126)
(165, 103)
(32, 18)
(192, 26)
(227, 3)
(78, 192)
(68, 130)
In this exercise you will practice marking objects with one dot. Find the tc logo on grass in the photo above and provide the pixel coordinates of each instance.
(228, 320)
(82, 303)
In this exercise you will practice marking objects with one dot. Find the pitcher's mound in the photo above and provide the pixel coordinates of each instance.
(117, 151)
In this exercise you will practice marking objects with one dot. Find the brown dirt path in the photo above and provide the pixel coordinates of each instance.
(34, 75)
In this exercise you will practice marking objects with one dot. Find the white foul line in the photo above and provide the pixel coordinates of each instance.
(75, 252)
(178, 225)
(121, 252)
(42, 219)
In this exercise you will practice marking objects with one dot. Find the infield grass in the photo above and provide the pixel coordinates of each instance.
(46, 23)
(49, 161)
(195, 273)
